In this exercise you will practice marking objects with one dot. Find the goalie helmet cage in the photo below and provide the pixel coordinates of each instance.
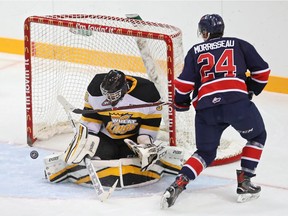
(64, 52)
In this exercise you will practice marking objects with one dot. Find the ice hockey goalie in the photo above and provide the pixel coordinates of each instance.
(121, 143)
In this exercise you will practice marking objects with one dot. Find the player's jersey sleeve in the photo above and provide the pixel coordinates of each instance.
(185, 83)
(258, 68)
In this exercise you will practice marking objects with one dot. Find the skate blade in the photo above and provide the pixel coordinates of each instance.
(247, 197)
(164, 203)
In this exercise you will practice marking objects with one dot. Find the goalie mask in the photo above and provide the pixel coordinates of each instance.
(211, 26)
(114, 86)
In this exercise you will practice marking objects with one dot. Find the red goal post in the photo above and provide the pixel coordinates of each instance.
(64, 52)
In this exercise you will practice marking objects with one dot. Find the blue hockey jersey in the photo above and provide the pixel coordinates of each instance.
(215, 71)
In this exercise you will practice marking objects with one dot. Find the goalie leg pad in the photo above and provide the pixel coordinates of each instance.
(171, 159)
(55, 168)
(172, 153)
(83, 144)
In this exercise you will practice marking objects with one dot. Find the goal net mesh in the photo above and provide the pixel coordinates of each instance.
(64, 52)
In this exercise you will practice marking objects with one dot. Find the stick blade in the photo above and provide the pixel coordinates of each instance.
(106, 195)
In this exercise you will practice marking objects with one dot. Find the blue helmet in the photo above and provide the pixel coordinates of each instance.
(212, 24)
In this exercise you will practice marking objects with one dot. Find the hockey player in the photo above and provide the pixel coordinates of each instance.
(112, 127)
(215, 70)
(111, 135)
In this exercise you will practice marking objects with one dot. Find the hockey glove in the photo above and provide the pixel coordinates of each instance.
(147, 153)
(249, 85)
(182, 107)
(250, 95)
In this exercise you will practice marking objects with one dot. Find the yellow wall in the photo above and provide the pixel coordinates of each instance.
(14, 46)
(277, 84)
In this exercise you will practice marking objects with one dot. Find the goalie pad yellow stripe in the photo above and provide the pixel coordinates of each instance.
(114, 171)
(78, 138)
(54, 177)
(170, 165)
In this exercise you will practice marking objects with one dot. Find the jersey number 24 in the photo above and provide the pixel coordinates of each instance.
(225, 65)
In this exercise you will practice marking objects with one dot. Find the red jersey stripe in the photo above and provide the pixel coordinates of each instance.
(183, 87)
(222, 85)
(260, 76)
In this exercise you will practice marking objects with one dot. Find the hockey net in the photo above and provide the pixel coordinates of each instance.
(64, 52)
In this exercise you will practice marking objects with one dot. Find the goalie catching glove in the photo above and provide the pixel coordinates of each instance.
(82, 145)
(145, 149)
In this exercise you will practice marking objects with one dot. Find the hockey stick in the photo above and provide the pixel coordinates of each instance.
(101, 193)
(71, 108)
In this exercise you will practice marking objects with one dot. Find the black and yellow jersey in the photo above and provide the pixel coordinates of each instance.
(122, 124)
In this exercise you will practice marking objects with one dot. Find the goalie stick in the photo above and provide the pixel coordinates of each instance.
(101, 193)
(71, 108)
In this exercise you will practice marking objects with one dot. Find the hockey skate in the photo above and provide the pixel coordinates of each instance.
(246, 190)
(172, 192)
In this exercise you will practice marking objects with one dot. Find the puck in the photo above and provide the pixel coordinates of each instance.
(34, 154)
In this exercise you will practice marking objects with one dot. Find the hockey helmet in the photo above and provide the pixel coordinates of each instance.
(211, 26)
(114, 86)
